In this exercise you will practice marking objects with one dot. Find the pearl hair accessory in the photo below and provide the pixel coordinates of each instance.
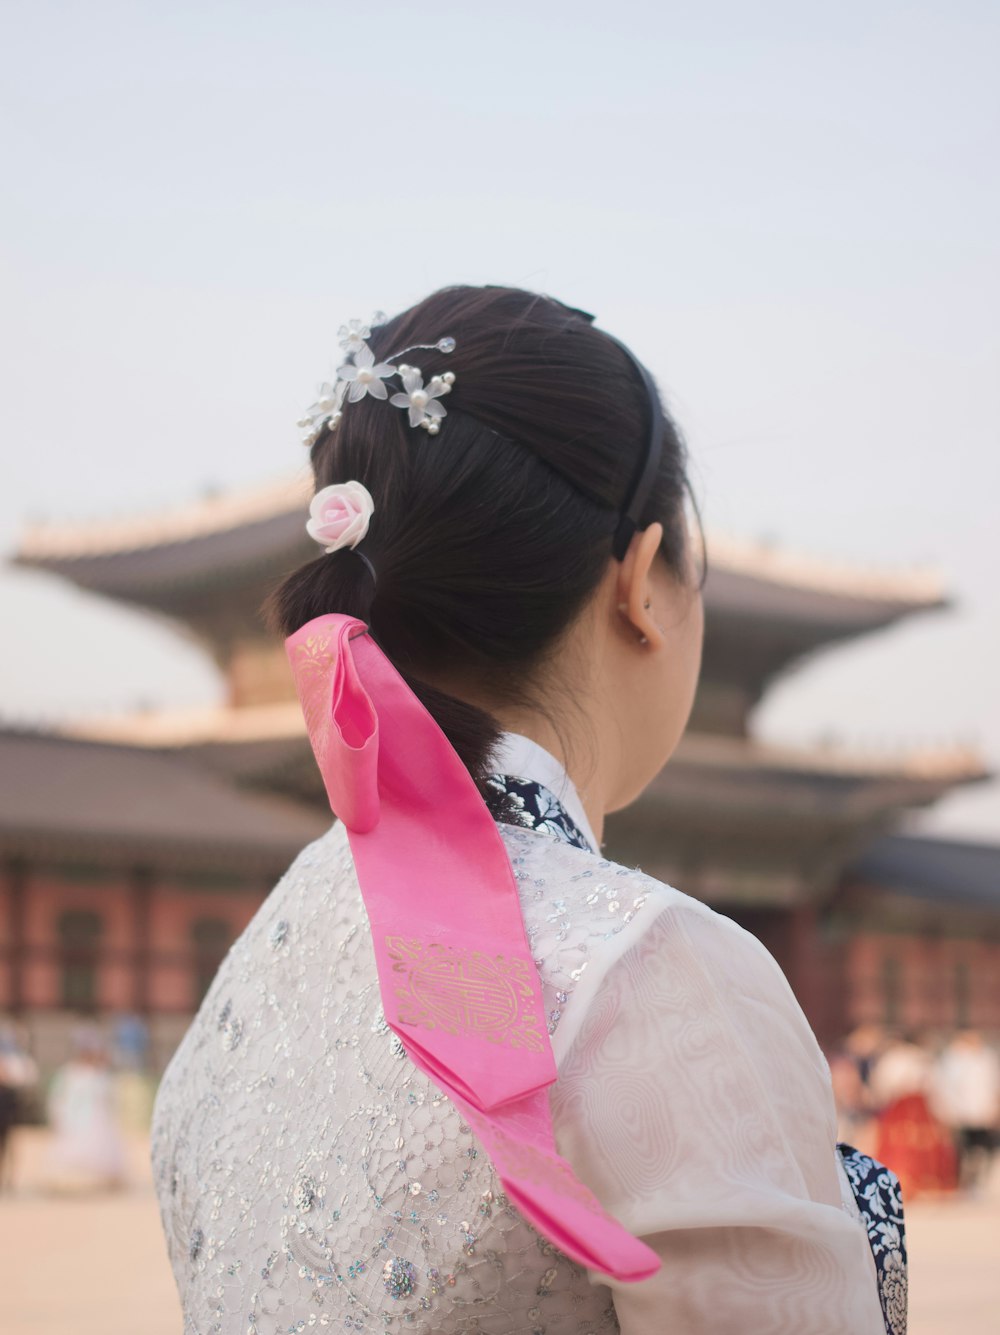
(423, 403)
(362, 375)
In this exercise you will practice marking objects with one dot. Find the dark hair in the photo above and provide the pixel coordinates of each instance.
(488, 538)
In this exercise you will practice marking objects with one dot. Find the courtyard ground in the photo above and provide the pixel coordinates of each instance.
(98, 1266)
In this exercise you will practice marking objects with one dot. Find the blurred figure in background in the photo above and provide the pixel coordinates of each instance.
(965, 1094)
(855, 1122)
(131, 1042)
(88, 1151)
(18, 1072)
(851, 1065)
(134, 1088)
(863, 1045)
(910, 1138)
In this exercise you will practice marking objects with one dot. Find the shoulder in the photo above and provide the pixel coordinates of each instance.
(565, 886)
(544, 865)
(598, 928)
(670, 1020)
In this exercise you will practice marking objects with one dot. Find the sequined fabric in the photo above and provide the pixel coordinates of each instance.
(309, 1176)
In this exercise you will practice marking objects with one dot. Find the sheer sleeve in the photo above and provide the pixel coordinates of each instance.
(694, 1100)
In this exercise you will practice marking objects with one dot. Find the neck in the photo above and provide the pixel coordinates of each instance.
(581, 751)
(584, 779)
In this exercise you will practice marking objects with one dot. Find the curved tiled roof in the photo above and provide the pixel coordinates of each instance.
(63, 797)
(47, 541)
(59, 544)
(949, 871)
(768, 562)
(282, 721)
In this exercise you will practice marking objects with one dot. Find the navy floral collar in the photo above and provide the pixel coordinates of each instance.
(534, 807)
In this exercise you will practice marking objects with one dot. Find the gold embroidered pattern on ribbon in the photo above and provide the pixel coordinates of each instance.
(465, 991)
(313, 658)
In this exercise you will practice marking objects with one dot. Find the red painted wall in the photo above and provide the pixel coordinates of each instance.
(174, 908)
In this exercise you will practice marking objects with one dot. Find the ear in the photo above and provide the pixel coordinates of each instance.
(635, 588)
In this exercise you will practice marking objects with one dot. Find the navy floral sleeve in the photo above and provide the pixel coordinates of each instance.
(877, 1191)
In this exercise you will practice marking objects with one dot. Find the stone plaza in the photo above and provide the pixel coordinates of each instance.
(98, 1265)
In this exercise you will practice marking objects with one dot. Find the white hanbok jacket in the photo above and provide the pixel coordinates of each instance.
(310, 1177)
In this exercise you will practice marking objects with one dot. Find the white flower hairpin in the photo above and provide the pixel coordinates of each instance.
(422, 402)
(326, 410)
(365, 375)
(353, 335)
(362, 375)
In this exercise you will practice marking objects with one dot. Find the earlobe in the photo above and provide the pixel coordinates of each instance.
(634, 586)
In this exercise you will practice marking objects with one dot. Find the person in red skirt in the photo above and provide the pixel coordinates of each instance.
(914, 1143)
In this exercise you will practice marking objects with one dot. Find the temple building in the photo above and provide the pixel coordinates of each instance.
(127, 873)
(801, 845)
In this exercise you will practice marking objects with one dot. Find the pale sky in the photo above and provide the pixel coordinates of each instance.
(790, 211)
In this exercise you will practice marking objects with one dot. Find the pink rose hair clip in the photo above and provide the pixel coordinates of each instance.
(339, 516)
(362, 375)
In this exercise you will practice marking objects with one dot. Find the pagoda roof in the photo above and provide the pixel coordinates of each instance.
(779, 822)
(64, 798)
(224, 725)
(183, 561)
(810, 797)
(206, 516)
(954, 871)
(211, 563)
(125, 556)
(752, 782)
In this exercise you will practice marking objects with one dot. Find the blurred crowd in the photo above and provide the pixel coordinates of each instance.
(89, 1103)
(927, 1106)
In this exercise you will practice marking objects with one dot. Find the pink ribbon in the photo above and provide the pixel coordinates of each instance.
(458, 982)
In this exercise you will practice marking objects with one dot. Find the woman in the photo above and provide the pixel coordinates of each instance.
(87, 1152)
(909, 1135)
(965, 1095)
(524, 565)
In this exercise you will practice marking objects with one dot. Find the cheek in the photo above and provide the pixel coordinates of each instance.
(660, 694)
(697, 637)
(671, 695)
(689, 649)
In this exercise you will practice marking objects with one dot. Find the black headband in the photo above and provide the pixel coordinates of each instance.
(648, 467)
(649, 463)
